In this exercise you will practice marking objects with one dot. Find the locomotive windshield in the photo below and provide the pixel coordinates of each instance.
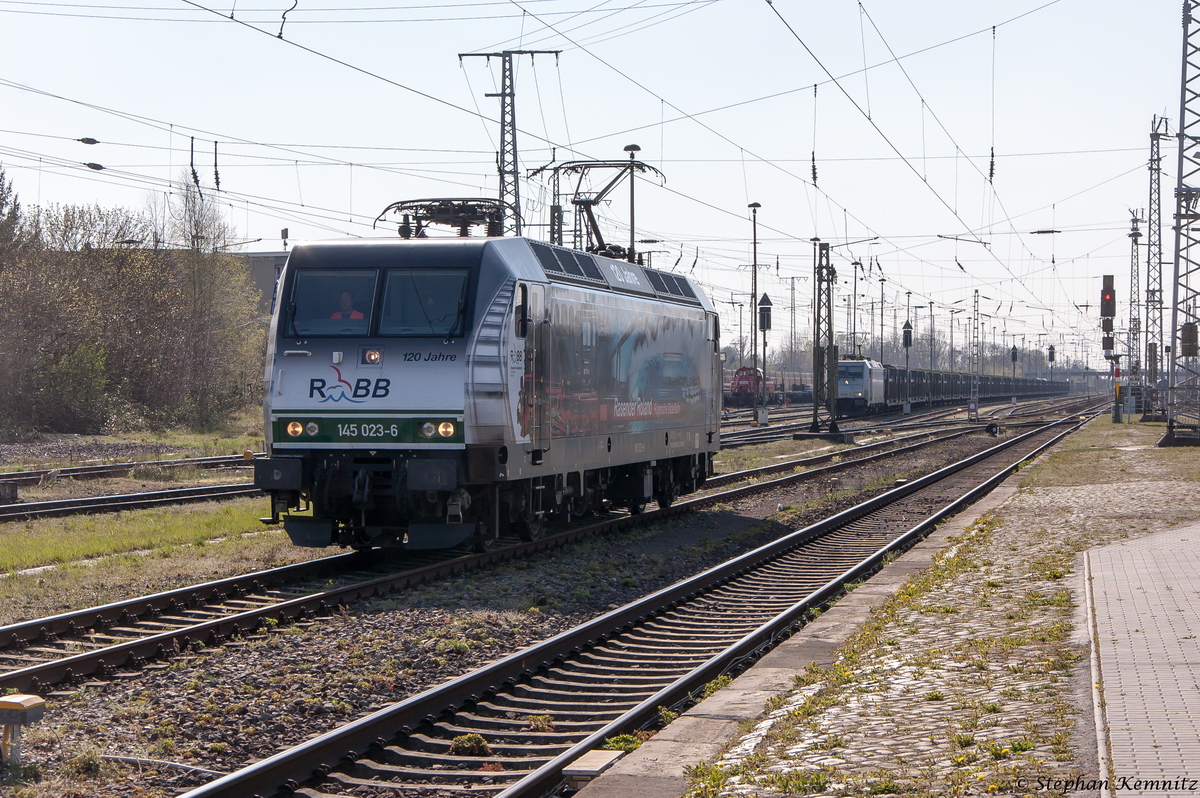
(332, 302)
(423, 301)
(341, 302)
(850, 371)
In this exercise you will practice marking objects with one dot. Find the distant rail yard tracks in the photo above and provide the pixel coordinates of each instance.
(44, 652)
(614, 674)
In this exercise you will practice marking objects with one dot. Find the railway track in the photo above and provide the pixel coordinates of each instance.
(44, 652)
(133, 501)
(37, 477)
(512, 727)
(127, 501)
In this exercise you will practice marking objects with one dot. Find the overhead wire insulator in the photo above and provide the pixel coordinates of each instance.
(195, 176)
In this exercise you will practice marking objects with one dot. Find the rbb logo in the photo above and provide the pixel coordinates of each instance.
(361, 389)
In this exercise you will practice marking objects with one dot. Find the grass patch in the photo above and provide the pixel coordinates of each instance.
(236, 434)
(53, 541)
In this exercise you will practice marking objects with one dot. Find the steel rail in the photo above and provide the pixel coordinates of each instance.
(128, 501)
(549, 775)
(163, 645)
(319, 756)
(36, 477)
(751, 473)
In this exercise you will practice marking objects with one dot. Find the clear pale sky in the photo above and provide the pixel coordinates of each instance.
(361, 104)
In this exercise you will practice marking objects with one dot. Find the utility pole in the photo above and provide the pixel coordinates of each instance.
(756, 380)
(854, 267)
(510, 193)
(1183, 392)
(907, 346)
(1152, 399)
(792, 351)
(825, 352)
(976, 362)
(932, 362)
(881, 282)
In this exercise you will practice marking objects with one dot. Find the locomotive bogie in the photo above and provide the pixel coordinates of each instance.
(468, 389)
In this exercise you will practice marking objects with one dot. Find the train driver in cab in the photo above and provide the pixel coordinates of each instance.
(347, 308)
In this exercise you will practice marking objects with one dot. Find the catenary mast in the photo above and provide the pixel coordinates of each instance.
(1183, 400)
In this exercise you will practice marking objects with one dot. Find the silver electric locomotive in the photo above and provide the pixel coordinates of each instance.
(427, 392)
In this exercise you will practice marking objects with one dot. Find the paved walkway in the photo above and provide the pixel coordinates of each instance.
(1145, 596)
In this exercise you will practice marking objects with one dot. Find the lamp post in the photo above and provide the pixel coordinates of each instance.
(1013, 353)
(907, 345)
(932, 362)
(881, 282)
(633, 150)
(754, 206)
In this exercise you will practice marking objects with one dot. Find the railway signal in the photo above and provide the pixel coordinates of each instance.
(1108, 298)
(764, 314)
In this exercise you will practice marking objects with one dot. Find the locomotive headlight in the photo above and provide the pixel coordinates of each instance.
(445, 429)
(372, 356)
(312, 428)
(428, 429)
(294, 428)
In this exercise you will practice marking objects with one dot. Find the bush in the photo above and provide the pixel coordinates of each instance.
(102, 334)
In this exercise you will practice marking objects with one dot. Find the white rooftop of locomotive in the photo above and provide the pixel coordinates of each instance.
(537, 261)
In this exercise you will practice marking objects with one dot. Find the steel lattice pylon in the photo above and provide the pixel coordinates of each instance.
(1134, 364)
(1183, 408)
(510, 192)
(825, 353)
(976, 362)
(1154, 287)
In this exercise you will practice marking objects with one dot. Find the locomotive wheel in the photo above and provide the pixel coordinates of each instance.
(483, 541)
(637, 507)
(668, 495)
(530, 529)
(578, 506)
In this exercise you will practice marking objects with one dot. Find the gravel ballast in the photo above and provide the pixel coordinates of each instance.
(973, 679)
(223, 708)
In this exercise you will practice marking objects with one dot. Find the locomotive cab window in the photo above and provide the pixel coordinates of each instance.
(424, 302)
(850, 371)
(331, 302)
